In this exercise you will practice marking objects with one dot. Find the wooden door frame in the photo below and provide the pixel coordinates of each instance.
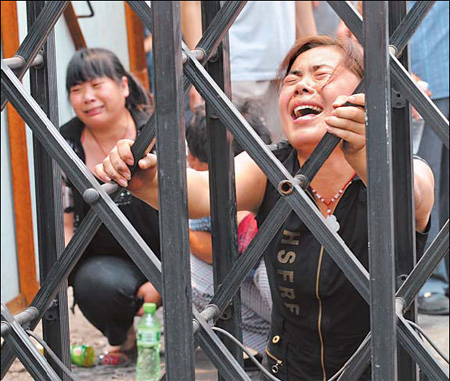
(26, 255)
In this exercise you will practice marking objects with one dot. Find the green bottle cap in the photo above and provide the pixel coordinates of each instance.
(149, 308)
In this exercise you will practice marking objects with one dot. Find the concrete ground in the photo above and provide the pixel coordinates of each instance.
(81, 332)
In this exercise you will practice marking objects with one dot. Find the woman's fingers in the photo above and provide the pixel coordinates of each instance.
(351, 113)
(147, 162)
(348, 121)
(359, 99)
(355, 99)
(124, 152)
(115, 167)
(355, 140)
(109, 168)
(101, 174)
(346, 124)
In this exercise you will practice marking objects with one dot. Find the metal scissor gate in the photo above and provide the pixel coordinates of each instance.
(397, 281)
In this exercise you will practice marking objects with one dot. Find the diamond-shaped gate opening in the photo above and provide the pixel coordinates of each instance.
(105, 211)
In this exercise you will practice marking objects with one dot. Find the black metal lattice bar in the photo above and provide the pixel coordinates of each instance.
(405, 295)
(215, 32)
(433, 117)
(380, 204)
(401, 79)
(424, 268)
(218, 28)
(219, 355)
(209, 42)
(419, 352)
(252, 254)
(409, 24)
(402, 163)
(24, 317)
(80, 176)
(15, 63)
(229, 368)
(222, 188)
(37, 36)
(225, 363)
(26, 351)
(61, 155)
(49, 210)
(66, 263)
(402, 168)
(359, 361)
(56, 277)
(174, 237)
(351, 17)
(276, 172)
(321, 153)
(399, 39)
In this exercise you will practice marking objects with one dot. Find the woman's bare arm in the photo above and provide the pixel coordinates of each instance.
(201, 245)
(423, 193)
(250, 180)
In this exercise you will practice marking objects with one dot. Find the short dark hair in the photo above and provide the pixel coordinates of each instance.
(90, 63)
(352, 53)
(252, 112)
(196, 134)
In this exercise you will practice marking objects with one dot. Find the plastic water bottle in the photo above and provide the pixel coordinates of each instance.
(148, 367)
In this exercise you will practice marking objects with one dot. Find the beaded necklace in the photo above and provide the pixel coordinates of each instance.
(331, 219)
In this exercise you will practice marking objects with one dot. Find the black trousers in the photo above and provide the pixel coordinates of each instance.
(105, 289)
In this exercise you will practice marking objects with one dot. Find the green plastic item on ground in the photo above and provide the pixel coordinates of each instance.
(82, 355)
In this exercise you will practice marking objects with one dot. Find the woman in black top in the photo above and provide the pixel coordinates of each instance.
(318, 318)
(108, 287)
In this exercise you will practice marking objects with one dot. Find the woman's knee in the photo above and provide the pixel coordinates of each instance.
(106, 282)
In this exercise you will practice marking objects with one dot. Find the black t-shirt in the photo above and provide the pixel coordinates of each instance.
(142, 216)
(319, 317)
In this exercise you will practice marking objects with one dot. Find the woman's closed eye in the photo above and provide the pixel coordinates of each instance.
(290, 79)
(323, 75)
(75, 89)
(97, 83)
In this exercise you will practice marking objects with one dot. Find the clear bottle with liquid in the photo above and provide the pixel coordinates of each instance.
(148, 366)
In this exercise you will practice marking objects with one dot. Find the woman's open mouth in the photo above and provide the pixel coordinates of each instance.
(308, 111)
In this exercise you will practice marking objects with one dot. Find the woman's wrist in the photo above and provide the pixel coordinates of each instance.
(358, 162)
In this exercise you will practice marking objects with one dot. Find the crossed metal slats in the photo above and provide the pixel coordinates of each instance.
(27, 352)
(434, 118)
(37, 36)
(83, 180)
(297, 201)
(380, 204)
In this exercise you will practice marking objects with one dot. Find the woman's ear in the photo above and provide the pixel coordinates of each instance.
(124, 86)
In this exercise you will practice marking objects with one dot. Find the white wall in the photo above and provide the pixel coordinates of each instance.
(106, 29)
(10, 278)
